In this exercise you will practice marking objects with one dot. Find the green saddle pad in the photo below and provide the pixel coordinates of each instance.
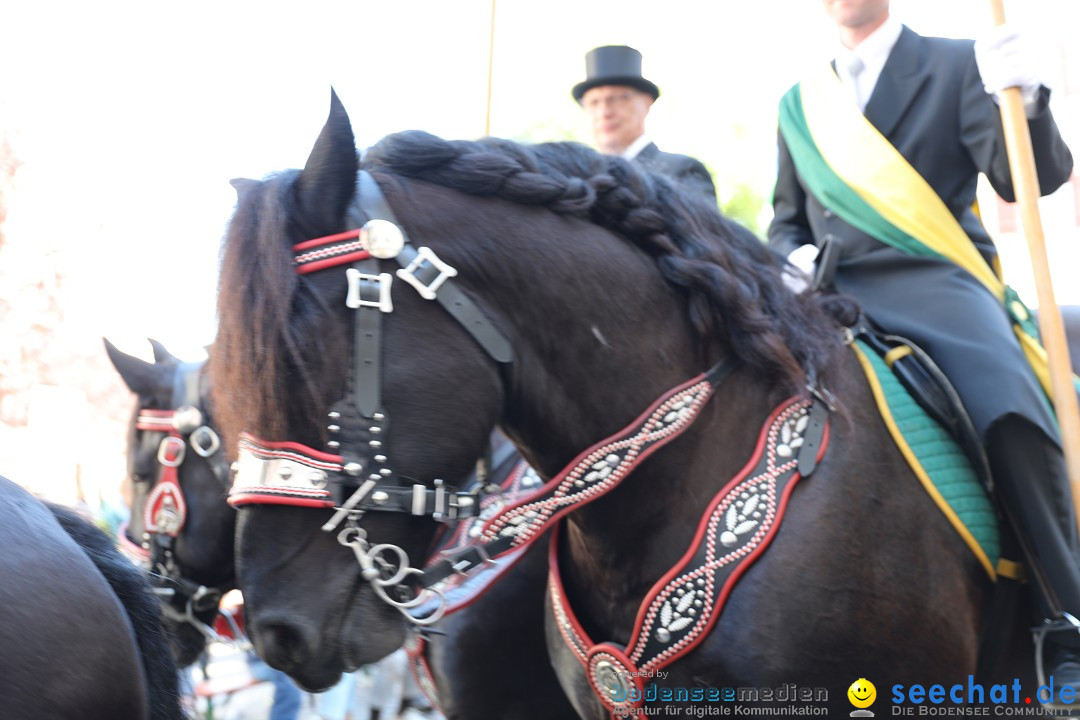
(936, 459)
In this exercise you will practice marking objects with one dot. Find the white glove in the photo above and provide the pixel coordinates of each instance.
(800, 268)
(1006, 58)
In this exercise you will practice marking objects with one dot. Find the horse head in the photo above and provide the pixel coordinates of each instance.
(181, 529)
(299, 332)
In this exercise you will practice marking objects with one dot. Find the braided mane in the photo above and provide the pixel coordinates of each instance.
(732, 280)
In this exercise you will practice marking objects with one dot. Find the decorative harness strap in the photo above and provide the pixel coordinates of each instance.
(682, 607)
(416, 648)
(462, 589)
(165, 511)
(594, 473)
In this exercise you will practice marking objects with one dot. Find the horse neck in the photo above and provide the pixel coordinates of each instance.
(598, 336)
(597, 333)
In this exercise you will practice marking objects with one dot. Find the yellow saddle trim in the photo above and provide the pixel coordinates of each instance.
(1011, 570)
(896, 353)
(916, 466)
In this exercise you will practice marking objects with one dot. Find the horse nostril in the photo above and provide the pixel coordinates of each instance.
(282, 644)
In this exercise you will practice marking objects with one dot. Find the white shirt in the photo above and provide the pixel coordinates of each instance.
(635, 147)
(872, 53)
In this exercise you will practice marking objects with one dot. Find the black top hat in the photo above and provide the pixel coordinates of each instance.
(614, 65)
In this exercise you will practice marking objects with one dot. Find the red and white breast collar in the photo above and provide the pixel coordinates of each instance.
(682, 607)
(591, 475)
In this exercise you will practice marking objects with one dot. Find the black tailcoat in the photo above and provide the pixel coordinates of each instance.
(929, 102)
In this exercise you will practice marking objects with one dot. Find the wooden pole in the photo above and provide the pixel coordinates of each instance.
(491, 68)
(1026, 188)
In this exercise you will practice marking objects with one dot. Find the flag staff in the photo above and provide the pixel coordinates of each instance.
(491, 67)
(1052, 331)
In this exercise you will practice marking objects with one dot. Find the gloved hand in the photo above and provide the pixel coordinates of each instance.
(1006, 58)
(800, 268)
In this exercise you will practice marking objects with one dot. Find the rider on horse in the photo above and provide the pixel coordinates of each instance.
(916, 256)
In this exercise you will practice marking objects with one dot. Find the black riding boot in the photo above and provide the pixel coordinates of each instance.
(1032, 483)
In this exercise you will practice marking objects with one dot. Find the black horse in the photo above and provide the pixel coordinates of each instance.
(610, 288)
(469, 680)
(181, 529)
(80, 630)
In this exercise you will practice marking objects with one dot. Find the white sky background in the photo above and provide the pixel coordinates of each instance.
(131, 117)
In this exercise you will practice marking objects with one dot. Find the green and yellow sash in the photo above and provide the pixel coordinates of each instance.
(855, 172)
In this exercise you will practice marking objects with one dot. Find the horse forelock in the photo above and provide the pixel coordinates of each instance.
(258, 368)
(731, 280)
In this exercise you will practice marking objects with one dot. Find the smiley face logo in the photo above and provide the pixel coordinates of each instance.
(862, 693)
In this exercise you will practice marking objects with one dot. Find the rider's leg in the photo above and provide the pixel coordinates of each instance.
(1031, 480)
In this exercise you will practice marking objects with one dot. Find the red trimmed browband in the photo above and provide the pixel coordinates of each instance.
(331, 250)
(155, 420)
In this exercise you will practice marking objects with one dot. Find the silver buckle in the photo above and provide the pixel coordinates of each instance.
(461, 505)
(353, 300)
(177, 444)
(204, 441)
(427, 292)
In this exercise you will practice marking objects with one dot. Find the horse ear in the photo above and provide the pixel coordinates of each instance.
(141, 377)
(327, 183)
(161, 355)
(242, 185)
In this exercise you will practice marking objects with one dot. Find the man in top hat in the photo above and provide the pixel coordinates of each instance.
(618, 99)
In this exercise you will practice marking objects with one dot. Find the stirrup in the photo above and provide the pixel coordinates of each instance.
(1066, 623)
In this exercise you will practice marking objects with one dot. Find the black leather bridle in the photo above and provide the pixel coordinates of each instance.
(355, 474)
(181, 429)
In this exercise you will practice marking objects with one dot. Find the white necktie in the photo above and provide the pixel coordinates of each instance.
(850, 68)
